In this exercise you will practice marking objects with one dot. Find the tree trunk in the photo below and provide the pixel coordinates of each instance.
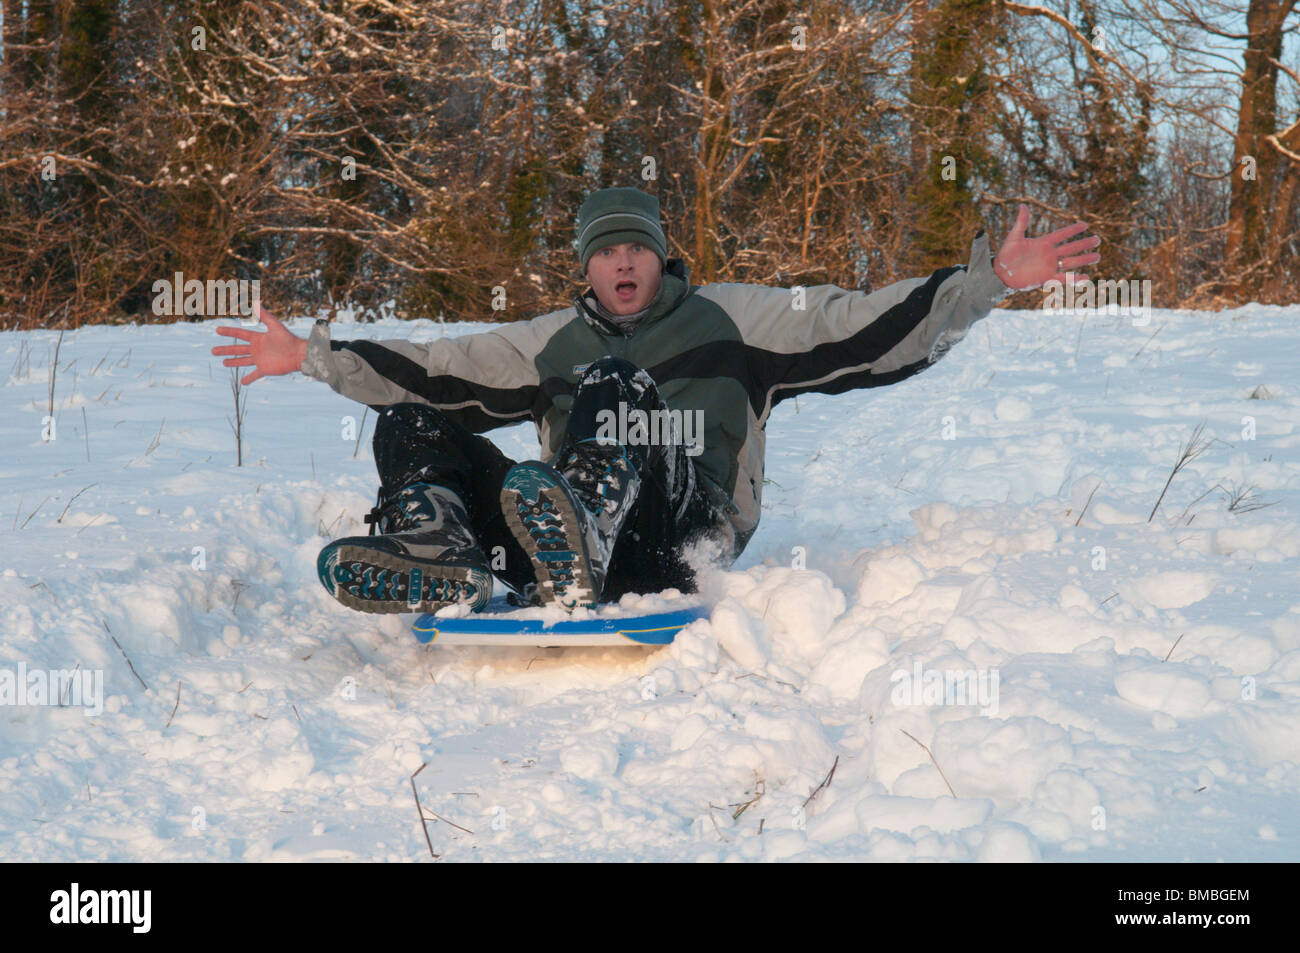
(1246, 238)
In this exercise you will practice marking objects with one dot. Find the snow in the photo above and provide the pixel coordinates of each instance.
(992, 676)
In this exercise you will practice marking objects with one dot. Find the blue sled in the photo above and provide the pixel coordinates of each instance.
(507, 628)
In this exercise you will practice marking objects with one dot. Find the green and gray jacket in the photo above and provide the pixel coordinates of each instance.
(732, 351)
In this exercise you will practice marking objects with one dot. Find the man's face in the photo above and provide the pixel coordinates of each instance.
(625, 277)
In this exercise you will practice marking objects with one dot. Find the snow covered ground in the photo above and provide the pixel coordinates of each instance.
(1134, 685)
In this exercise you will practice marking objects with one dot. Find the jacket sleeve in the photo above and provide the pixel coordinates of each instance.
(841, 340)
(482, 381)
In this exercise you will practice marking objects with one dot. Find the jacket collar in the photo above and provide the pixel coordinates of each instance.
(674, 286)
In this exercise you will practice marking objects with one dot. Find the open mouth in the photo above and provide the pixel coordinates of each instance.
(625, 289)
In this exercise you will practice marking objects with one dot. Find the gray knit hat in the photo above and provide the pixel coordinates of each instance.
(612, 216)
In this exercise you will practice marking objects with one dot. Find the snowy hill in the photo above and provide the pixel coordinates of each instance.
(1134, 684)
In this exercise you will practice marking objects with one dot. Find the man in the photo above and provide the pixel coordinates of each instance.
(611, 384)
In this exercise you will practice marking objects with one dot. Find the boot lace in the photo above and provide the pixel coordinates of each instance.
(591, 471)
(393, 513)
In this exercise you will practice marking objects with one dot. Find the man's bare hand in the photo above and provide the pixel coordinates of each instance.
(274, 351)
(1024, 262)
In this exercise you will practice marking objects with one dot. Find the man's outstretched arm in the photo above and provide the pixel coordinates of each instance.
(830, 340)
(482, 380)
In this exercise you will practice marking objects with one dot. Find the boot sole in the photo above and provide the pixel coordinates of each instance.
(369, 580)
(543, 520)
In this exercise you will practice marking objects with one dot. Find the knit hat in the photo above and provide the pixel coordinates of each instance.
(612, 216)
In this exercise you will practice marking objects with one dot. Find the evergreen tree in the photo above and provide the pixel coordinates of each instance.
(953, 112)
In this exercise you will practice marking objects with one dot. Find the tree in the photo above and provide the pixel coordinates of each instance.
(953, 111)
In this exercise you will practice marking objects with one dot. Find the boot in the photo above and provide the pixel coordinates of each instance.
(567, 517)
(419, 557)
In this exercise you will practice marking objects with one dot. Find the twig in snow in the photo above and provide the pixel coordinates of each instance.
(90, 524)
(1085, 505)
(1197, 500)
(237, 425)
(760, 789)
(1240, 499)
(1045, 343)
(73, 500)
(18, 362)
(932, 761)
(85, 432)
(360, 431)
(1174, 646)
(327, 531)
(712, 808)
(419, 810)
(439, 817)
(1194, 448)
(174, 707)
(68, 689)
(899, 481)
(157, 439)
(794, 688)
(54, 371)
(124, 655)
(826, 781)
(34, 512)
(1148, 341)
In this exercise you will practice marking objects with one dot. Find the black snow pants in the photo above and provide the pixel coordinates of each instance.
(418, 443)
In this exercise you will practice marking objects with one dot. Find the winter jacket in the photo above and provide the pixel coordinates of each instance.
(733, 351)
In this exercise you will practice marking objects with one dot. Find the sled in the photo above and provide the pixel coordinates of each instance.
(501, 624)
